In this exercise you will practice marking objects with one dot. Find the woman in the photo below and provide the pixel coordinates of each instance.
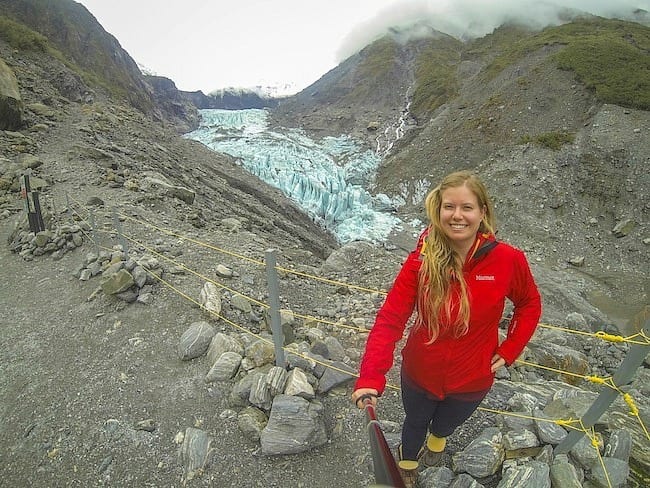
(457, 279)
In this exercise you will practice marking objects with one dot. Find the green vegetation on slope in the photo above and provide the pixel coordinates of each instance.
(612, 57)
(22, 38)
(435, 74)
(551, 140)
(375, 68)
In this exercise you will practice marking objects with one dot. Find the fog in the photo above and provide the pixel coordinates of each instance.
(465, 19)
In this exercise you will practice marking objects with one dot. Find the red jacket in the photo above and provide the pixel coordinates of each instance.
(493, 272)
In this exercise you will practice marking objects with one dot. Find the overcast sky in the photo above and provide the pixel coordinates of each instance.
(210, 44)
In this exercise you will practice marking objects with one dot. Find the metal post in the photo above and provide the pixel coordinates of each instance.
(274, 302)
(120, 237)
(622, 377)
(69, 209)
(32, 205)
(91, 218)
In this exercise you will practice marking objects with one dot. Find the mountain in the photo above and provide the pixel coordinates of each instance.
(555, 121)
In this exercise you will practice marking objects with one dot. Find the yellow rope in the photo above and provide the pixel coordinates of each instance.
(601, 335)
(196, 241)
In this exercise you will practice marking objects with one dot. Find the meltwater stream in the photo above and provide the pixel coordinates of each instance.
(327, 178)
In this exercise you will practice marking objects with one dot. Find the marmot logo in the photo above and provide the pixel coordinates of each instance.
(485, 278)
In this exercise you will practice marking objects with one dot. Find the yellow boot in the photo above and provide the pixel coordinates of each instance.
(407, 469)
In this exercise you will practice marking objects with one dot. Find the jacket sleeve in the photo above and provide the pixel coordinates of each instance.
(527, 310)
(390, 324)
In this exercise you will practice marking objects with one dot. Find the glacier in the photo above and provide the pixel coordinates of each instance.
(327, 178)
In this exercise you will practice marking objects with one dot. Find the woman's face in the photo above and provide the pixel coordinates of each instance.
(460, 216)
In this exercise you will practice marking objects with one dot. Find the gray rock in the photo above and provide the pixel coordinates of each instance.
(483, 456)
(222, 343)
(464, 480)
(584, 452)
(438, 477)
(532, 475)
(240, 302)
(260, 395)
(564, 474)
(548, 431)
(295, 425)
(224, 368)
(623, 228)
(619, 445)
(194, 453)
(210, 298)
(519, 439)
(332, 378)
(11, 104)
(251, 422)
(276, 378)
(612, 473)
(118, 283)
(195, 340)
(298, 385)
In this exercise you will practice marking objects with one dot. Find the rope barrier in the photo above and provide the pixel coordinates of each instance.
(567, 423)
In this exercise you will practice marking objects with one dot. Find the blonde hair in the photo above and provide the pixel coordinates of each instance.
(441, 264)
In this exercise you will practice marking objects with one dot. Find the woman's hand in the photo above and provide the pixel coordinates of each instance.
(497, 362)
(362, 394)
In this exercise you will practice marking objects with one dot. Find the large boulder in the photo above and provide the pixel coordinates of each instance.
(11, 105)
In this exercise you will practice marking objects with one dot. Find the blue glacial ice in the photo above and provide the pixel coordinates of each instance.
(327, 178)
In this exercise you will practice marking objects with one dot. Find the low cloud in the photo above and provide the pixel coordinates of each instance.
(475, 18)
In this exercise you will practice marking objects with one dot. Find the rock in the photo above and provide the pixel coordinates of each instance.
(224, 368)
(194, 453)
(260, 394)
(240, 302)
(623, 228)
(463, 480)
(276, 379)
(195, 341)
(548, 431)
(251, 422)
(210, 299)
(295, 425)
(438, 477)
(483, 456)
(332, 378)
(221, 343)
(519, 439)
(261, 352)
(585, 453)
(118, 282)
(619, 445)
(564, 474)
(533, 475)
(11, 104)
(612, 473)
(298, 385)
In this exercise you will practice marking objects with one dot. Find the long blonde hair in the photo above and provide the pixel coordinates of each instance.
(441, 264)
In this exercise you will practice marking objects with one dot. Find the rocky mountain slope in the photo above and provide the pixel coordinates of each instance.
(94, 389)
(563, 149)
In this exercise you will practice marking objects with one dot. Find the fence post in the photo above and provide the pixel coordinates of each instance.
(68, 209)
(622, 377)
(93, 233)
(120, 237)
(274, 302)
(32, 204)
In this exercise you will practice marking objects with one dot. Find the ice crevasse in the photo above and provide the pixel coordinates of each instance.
(327, 178)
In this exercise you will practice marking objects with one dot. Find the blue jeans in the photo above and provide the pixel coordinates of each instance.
(425, 412)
